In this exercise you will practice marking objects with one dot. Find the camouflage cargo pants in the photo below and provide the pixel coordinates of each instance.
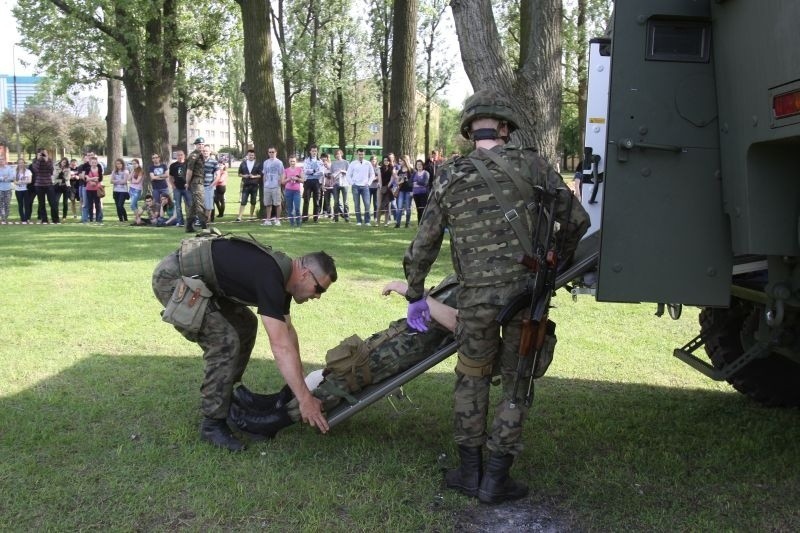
(479, 339)
(197, 210)
(227, 339)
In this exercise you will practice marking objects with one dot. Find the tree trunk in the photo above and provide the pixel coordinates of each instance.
(288, 103)
(583, 83)
(258, 87)
(113, 123)
(148, 107)
(535, 90)
(402, 109)
(183, 126)
(313, 90)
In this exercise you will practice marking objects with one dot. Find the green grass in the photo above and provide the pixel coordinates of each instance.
(99, 410)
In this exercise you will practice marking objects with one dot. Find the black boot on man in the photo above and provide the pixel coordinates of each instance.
(252, 401)
(496, 485)
(219, 434)
(467, 477)
(266, 424)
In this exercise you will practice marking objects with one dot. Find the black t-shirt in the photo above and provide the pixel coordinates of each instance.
(248, 274)
(178, 173)
(386, 175)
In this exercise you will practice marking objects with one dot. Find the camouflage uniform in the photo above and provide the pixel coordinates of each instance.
(229, 328)
(195, 163)
(387, 353)
(484, 253)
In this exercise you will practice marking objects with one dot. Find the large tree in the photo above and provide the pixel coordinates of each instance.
(258, 85)
(402, 105)
(380, 44)
(434, 70)
(532, 83)
(143, 38)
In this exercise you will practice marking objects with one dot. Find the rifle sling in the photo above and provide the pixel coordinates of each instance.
(509, 212)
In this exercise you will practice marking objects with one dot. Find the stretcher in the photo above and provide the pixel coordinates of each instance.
(585, 259)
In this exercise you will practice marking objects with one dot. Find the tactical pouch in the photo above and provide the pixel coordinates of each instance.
(547, 351)
(186, 307)
(350, 361)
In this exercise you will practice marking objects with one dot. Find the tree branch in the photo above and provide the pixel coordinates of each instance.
(86, 18)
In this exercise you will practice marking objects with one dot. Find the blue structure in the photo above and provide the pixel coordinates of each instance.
(26, 88)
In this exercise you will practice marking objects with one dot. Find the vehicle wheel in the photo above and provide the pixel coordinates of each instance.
(773, 380)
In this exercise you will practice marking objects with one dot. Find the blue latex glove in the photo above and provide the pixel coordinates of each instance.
(418, 315)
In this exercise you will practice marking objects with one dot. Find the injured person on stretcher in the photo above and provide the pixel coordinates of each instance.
(353, 365)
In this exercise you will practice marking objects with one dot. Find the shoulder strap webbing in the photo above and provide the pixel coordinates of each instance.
(283, 261)
(509, 212)
(525, 190)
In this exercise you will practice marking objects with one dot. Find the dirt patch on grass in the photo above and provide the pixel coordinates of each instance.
(511, 517)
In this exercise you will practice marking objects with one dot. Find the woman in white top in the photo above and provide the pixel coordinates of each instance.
(22, 180)
(119, 179)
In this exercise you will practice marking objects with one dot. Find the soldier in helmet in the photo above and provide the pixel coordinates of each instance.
(484, 249)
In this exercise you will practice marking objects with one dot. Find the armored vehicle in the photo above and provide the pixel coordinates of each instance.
(692, 179)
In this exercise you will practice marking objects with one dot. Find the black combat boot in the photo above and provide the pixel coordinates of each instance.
(267, 424)
(189, 227)
(217, 433)
(467, 477)
(496, 485)
(258, 403)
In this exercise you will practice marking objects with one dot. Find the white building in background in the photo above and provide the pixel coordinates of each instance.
(26, 88)
(216, 129)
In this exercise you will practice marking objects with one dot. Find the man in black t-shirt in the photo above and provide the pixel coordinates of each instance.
(177, 180)
(241, 274)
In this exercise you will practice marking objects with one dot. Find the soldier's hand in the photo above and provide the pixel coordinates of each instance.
(311, 412)
(418, 315)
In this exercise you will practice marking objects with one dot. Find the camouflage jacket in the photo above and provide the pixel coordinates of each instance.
(195, 163)
(484, 248)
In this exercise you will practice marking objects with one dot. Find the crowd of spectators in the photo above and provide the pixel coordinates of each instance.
(158, 194)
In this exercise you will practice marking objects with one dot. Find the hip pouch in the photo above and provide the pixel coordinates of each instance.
(187, 306)
(547, 351)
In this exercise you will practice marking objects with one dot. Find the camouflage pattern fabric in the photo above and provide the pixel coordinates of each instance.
(484, 252)
(392, 351)
(227, 338)
(481, 344)
(195, 163)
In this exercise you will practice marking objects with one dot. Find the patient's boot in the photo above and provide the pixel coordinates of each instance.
(253, 401)
(258, 403)
(267, 423)
(467, 477)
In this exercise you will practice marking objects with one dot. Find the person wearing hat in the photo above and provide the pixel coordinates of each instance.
(194, 182)
(485, 245)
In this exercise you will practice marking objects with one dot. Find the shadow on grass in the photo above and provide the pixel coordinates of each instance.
(111, 442)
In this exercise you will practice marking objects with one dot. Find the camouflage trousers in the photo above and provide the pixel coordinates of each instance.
(197, 209)
(227, 338)
(480, 340)
(392, 351)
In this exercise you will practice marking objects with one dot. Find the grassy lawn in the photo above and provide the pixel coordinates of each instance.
(99, 410)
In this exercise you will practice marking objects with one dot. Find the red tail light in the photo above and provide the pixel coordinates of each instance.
(786, 104)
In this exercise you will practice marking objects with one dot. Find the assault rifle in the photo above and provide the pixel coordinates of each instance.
(535, 301)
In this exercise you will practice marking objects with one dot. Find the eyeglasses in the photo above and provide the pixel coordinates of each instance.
(319, 289)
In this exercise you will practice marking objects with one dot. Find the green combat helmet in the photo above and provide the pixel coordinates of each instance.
(486, 104)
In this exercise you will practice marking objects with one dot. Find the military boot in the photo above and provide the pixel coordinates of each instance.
(267, 424)
(189, 226)
(467, 477)
(258, 403)
(496, 485)
(219, 434)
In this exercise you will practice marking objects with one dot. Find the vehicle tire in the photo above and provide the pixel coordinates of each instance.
(773, 380)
